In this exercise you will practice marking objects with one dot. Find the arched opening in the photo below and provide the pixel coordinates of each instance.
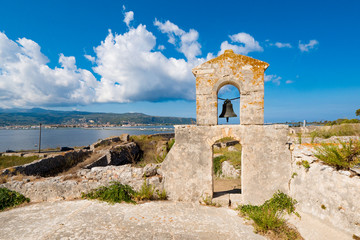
(226, 168)
(230, 92)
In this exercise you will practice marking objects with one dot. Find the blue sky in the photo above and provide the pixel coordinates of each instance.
(136, 56)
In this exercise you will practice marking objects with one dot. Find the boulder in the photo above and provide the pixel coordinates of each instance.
(125, 137)
(233, 149)
(151, 169)
(64, 149)
(118, 155)
(228, 170)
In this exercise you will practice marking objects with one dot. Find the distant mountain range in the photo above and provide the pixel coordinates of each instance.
(34, 116)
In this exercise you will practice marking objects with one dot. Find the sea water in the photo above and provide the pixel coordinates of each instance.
(28, 139)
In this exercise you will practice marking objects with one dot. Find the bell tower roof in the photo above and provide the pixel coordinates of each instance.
(231, 60)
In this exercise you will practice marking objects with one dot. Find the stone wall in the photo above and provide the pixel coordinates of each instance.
(333, 196)
(50, 165)
(71, 186)
(266, 161)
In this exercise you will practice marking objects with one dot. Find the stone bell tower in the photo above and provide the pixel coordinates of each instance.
(244, 73)
(266, 161)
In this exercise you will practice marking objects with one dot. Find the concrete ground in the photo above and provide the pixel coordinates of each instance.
(84, 219)
(313, 228)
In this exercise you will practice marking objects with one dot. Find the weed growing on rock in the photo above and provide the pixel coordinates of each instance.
(115, 193)
(299, 135)
(268, 218)
(161, 195)
(146, 192)
(313, 135)
(170, 144)
(343, 156)
(208, 202)
(305, 164)
(10, 198)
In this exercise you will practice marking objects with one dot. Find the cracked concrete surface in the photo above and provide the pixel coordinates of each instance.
(83, 219)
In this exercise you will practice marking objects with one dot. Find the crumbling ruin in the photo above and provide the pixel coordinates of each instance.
(266, 160)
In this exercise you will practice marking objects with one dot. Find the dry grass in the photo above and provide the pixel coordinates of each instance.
(11, 161)
(335, 130)
(92, 158)
(234, 157)
(150, 145)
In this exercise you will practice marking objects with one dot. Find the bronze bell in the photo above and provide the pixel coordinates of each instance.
(227, 110)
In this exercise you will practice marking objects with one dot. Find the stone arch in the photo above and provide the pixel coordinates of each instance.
(222, 83)
(225, 132)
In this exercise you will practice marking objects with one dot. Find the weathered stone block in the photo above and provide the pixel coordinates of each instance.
(266, 161)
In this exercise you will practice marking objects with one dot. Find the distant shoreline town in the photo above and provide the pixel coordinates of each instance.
(91, 126)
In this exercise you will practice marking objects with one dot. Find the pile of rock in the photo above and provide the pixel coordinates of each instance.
(121, 154)
(71, 186)
(228, 171)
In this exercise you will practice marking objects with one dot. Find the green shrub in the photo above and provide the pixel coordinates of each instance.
(217, 164)
(343, 156)
(342, 121)
(170, 144)
(313, 135)
(161, 195)
(269, 216)
(10, 198)
(115, 193)
(305, 164)
(146, 192)
(299, 135)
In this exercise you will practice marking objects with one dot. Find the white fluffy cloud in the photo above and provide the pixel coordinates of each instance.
(283, 45)
(246, 41)
(306, 47)
(272, 78)
(26, 80)
(131, 67)
(132, 70)
(129, 16)
(186, 42)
